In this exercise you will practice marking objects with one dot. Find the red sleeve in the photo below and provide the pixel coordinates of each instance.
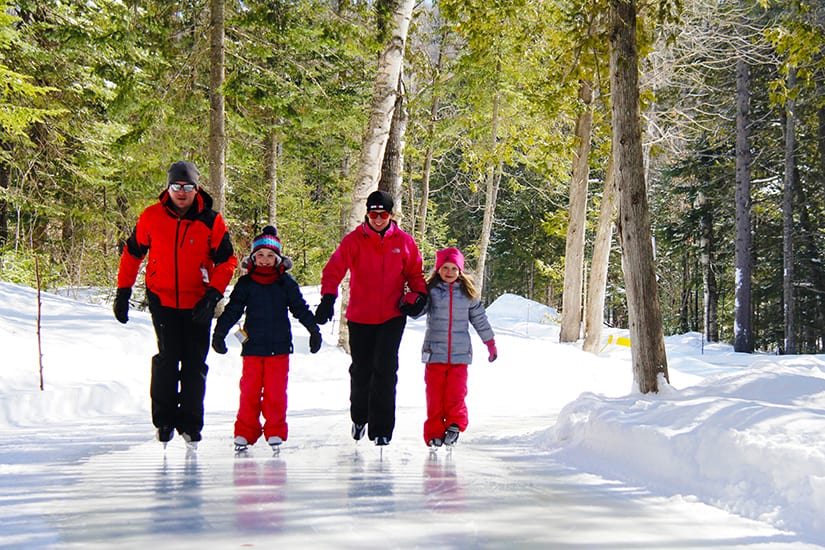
(336, 267)
(133, 253)
(414, 268)
(223, 255)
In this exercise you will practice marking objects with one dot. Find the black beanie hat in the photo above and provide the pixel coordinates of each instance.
(379, 200)
(182, 171)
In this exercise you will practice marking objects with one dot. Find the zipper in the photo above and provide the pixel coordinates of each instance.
(178, 244)
(450, 328)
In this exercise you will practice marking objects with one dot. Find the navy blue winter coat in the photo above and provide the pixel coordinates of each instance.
(267, 323)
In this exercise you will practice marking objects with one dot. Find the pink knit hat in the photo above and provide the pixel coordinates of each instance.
(452, 255)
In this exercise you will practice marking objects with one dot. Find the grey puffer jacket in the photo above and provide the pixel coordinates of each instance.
(449, 315)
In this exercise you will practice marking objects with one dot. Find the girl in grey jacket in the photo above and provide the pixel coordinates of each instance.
(452, 306)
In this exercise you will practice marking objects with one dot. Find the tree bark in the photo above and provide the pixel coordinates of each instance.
(710, 288)
(217, 131)
(742, 325)
(491, 194)
(646, 335)
(5, 179)
(271, 176)
(392, 167)
(428, 152)
(789, 304)
(381, 113)
(571, 318)
(597, 286)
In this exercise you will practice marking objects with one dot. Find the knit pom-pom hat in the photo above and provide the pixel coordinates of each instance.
(267, 239)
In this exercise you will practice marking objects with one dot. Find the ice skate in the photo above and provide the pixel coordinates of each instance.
(241, 444)
(451, 435)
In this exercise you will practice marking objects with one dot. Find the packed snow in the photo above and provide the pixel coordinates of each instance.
(562, 451)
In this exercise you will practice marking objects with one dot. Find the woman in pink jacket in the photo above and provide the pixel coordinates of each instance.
(386, 284)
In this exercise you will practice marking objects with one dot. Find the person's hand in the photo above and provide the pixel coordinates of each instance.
(325, 309)
(314, 341)
(412, 304)
(491, 347)
(219, 342)
(205, 309)
(121, 305)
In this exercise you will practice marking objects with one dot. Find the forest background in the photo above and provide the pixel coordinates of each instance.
(97, 98)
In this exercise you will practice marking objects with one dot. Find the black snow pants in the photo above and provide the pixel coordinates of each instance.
(179, 369)
(374, 374)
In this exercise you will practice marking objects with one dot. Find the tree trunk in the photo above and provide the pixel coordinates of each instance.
(428, 152)
(217, 131)
(381, 113)
(491, 194)
(742, 325)
(392, 167)
(708, 262)
(646, 335)
(376, 134)
(273, 152)
(789, 304)
(597, 286)
(5, 179)
(571, 318)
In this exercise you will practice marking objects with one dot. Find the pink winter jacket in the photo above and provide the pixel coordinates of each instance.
(379, 267)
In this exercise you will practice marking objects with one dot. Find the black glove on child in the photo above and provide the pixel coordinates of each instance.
(205, 309)
(314, 341)
(121, 305)
(325, 309)
(412, 304)
(219, 342)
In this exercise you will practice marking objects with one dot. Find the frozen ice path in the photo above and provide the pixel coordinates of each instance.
(111, 485)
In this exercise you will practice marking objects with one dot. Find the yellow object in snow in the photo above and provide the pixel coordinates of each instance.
(619, 340)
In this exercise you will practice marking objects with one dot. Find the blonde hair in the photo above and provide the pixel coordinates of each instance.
(465, 280)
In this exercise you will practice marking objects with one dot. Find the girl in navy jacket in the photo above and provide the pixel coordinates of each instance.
(266, 293)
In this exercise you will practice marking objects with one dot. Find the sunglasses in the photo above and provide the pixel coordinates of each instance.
(188, 187)
(376, 215)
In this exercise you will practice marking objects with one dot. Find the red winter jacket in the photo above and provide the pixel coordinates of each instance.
(178, 249)
(379, 267)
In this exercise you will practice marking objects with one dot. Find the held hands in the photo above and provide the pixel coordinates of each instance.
(219, 342)
(324, 311)
(121, 305)
(314, 341)
(205, 309)
(491, 347)
(412, 304)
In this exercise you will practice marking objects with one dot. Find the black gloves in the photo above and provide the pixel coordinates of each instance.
(325, 309)
(205, 309)
(121, 305)
(412, 304)
(218, 343)
(314, 341)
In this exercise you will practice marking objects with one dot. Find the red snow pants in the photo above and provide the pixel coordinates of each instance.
(446, 388)
(263, 390)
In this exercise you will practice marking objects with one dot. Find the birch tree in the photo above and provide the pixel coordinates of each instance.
(381, 112)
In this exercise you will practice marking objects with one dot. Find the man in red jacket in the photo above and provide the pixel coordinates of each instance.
(383, 262)
(190, 263)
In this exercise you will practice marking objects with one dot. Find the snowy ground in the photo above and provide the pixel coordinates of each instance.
(560, 452)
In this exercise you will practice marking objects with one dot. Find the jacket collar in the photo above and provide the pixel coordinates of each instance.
(203, 201)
